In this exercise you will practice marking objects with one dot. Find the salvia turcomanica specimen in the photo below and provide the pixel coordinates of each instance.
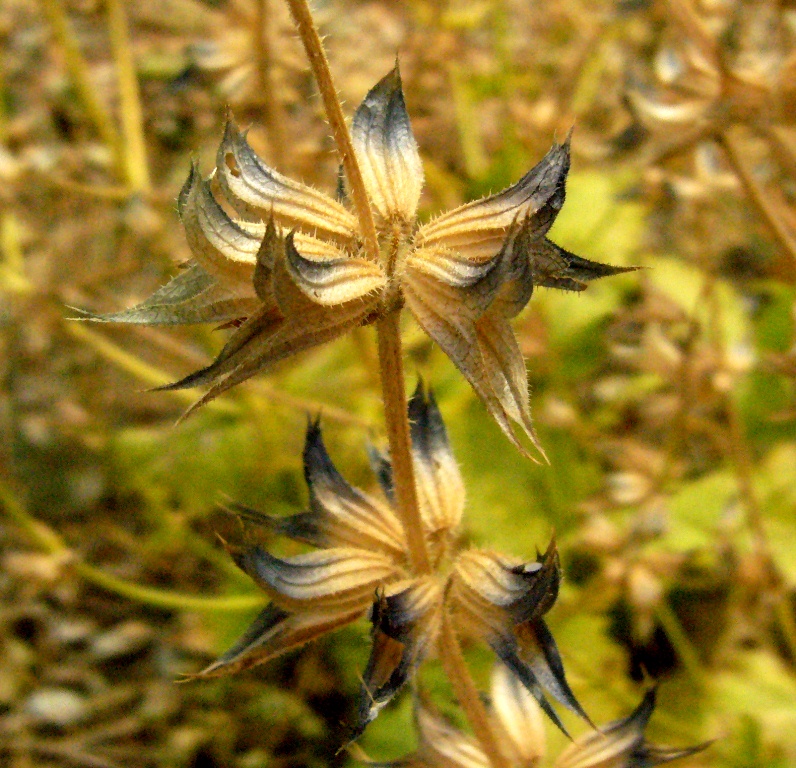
(516, 717)
(360, 567)
(295, 268)
(292, 273)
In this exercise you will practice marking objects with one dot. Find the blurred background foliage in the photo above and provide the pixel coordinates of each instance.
(665, 398)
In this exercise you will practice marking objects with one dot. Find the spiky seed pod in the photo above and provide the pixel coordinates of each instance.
(361, 551)
(463, 275)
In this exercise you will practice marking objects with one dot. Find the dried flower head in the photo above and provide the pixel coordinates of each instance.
(463, 275)
(360, 565)
(517, 718)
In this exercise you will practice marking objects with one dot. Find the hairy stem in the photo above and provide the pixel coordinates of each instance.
(393, 391)
(450, 653)
(313, 46)
(389, 332)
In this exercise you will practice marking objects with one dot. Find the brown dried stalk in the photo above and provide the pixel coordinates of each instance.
(389, 333)
(393, 387)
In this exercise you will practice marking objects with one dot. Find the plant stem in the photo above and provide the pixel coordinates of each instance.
(389, 331)
(450, 653)
(48, 540)
(319, 64)
(765, 203)
(135, 159)
(393, 391)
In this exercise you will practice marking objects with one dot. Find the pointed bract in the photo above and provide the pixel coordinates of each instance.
(502, 603)
(451, 316)
(386, 150)
(334, 278)
(478, 229)
(223, 247)
(347, 515)
(539, 653)
(327, 579)
(622, 744)
(275, 632)
(275, 333)
(382, 468)
(254, 189)
(262, 324)
(405, 624)
(439, 483)
(192, 296)
(555, 267)
(271, 250)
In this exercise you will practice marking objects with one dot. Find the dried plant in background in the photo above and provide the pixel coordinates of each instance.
(718, 105)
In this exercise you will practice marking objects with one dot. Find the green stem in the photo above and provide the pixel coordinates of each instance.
(48, 540)
(135, 160)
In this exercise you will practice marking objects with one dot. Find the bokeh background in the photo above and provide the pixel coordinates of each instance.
(665, 397)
